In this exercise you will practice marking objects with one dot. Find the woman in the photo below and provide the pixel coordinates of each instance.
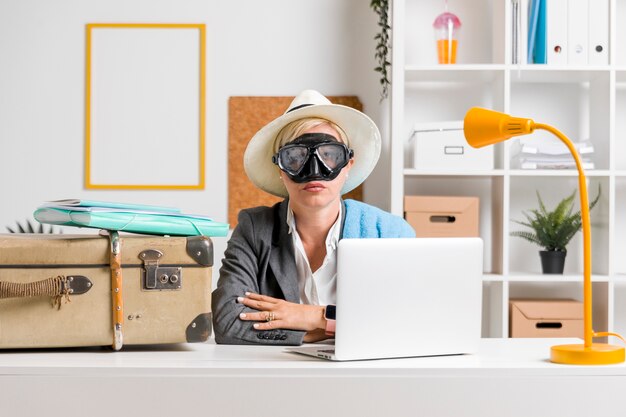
(279, 270)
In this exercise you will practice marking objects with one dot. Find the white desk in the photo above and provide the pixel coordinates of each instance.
(508, 378)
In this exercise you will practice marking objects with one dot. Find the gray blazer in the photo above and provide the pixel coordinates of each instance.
(259, 258)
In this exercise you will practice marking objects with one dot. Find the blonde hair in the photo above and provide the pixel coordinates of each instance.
(294, 129)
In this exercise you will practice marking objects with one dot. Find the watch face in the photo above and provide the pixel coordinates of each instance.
(331, 312)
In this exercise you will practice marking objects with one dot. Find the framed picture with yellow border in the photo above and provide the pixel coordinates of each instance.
(145, 106)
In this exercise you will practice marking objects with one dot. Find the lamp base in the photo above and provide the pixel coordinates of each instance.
(596, 354)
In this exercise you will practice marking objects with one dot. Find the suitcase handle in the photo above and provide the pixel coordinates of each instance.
(58, 287)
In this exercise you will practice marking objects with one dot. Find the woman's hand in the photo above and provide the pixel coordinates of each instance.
(274, 313)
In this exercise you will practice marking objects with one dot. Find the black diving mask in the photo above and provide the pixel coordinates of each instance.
(313, 156)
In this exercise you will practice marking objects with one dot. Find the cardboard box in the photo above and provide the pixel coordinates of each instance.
(442, 146)
(432, 216)
(546, 318)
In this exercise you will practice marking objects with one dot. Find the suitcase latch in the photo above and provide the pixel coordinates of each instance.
(155, 277)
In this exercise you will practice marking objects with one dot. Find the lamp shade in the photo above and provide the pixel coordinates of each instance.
(484, 127)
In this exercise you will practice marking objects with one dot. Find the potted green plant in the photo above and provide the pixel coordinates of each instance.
(552, 230)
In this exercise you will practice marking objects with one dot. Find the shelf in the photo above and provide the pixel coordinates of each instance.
(581, 101)
(421, 173)
(557, 173)
(568, 68)
(522, 277)
(519, 73)
(493, 278)
(412, 172)
(551, 278)
(453, 73)
(620, 278)
(552, 74)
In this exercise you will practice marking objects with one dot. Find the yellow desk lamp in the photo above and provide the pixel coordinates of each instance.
(484, 127)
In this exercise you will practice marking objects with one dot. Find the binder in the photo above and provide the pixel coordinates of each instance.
(533, 17)
(133, 222)
(515, 38)
(540, 55)
(598, 51)
(110, 205)
(134, 218)
(523, 31)
(578, 31)
(557, 31)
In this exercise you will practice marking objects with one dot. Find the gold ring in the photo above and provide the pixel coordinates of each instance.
(270, 316)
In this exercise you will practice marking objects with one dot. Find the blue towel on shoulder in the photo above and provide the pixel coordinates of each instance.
(365, 221)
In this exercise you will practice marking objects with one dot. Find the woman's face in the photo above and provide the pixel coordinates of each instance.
(317, 194)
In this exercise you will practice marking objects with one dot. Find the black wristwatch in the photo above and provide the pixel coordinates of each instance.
(330, 314)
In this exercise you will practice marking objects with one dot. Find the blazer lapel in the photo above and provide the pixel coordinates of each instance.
(282, 257)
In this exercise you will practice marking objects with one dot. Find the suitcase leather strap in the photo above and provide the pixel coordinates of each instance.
(116, 290)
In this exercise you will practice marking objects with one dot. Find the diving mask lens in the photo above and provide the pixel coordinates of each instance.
(292, 159)
(313, 156)
(332, 156)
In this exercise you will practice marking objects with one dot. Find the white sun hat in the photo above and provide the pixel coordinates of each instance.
(363, 137)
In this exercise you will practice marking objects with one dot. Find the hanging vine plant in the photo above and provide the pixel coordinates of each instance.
(381, 8)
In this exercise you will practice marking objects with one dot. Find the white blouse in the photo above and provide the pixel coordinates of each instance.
(319, 287)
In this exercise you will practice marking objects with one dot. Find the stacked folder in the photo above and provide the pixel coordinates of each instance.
(552, 155)
(134, 218)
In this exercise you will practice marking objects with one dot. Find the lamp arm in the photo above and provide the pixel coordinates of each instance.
(586, 222)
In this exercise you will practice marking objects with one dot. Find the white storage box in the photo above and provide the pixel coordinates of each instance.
(442, 146)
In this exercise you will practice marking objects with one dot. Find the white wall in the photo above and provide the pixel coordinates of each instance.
(268, 47)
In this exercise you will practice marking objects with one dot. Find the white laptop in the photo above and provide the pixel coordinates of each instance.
(406, 298)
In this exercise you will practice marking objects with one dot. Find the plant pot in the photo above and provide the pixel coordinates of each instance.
(552, 261)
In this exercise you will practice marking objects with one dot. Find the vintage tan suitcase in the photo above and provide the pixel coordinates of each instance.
(90, 290)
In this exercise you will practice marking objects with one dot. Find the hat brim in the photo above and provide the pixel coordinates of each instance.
(362, 132)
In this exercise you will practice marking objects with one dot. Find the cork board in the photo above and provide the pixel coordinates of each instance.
(246, 115)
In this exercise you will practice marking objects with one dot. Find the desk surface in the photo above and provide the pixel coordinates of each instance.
(514, 356)
(504, 375)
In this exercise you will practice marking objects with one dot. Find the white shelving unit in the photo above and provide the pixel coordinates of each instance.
(583, 102)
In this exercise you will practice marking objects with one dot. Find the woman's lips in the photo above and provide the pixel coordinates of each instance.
(314, 186)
